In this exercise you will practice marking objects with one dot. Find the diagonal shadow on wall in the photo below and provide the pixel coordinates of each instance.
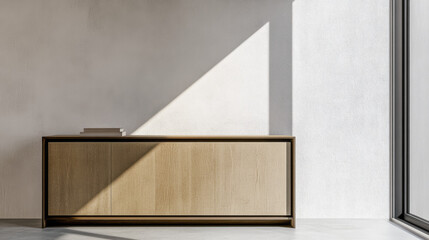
(129, 66)
(245, 68)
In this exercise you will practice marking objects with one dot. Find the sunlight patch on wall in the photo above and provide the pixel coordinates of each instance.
(231, 98)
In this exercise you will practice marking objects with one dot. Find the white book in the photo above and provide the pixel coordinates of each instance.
(111, 134)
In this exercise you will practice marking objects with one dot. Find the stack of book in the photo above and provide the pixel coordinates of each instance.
(103, 132)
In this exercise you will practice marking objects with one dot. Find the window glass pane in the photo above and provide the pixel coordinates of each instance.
(419, 108)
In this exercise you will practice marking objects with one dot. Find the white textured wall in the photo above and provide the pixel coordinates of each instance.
(340, 107)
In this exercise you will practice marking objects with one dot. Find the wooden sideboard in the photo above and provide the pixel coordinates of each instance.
(168, 180)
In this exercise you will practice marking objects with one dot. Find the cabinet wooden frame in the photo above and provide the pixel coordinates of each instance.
(48, 220)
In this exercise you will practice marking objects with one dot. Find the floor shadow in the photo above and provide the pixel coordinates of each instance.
(65, 231)
(31, 227)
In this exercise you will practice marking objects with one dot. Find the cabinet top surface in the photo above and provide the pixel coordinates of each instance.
(173, 137)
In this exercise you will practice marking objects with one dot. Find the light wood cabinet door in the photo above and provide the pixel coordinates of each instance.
(201, 178)
(79, 177)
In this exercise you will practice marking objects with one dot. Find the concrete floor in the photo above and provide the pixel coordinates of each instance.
(306, 229)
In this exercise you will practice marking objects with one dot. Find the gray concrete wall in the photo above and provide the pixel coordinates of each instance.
(341, 107)
(201, 67)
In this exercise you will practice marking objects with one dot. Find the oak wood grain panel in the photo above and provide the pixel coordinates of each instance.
(79, 176)
(200, 178)
(133, 177)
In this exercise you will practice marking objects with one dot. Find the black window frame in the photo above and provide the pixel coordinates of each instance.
(400, 117)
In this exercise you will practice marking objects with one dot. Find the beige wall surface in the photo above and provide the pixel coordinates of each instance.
(149, 66)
